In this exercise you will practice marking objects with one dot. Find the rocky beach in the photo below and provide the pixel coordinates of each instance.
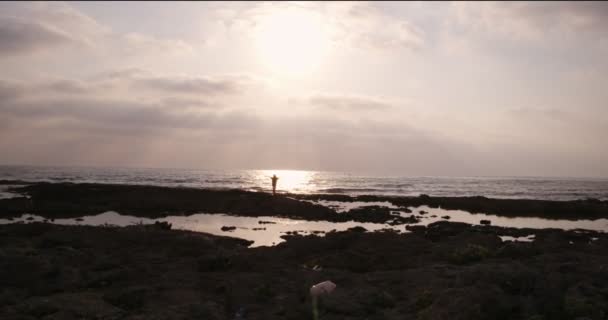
(441, 270)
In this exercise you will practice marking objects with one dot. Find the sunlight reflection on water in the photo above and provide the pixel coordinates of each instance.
(262, 233)
(293, 181)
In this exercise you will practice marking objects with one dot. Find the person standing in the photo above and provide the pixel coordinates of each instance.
(274, 179)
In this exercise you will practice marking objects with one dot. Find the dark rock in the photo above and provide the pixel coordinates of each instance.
(131, 298)
(416, 228)
(213, 262)
(485, 222)
(446, 217)
(357, 229)
(163, 225)
(266, 222)
(69, 200)
(228, 228)
(446, 270)
(469, 254)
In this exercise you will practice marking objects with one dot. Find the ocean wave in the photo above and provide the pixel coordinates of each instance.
(324, 182)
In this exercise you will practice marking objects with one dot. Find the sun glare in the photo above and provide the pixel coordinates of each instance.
(292, 40)
(289, 180)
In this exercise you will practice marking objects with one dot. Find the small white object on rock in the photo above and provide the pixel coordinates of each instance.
(322, 288)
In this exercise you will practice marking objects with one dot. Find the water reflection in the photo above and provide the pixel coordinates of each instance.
(512, 222)
(267, 231)
(293, 181)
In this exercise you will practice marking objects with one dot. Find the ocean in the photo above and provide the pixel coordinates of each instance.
(324, 182)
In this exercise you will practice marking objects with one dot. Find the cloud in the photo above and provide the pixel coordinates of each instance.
(145, 80)
(134, 99)
(64, 86)
(136, 43)
(534, 20)
(47, 26)
(363, 24)
(355, 24)
(193, 85)
(9, 91)
(55, 25)
(348, 103)
(18, 36)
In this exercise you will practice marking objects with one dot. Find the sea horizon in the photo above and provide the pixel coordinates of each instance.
(330, 182)
(354, 173)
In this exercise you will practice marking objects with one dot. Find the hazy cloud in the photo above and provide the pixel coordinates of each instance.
(348, 103)
(9, 90)
(363, 24)
(19, 36)
(532, 20)
(356, 24)
(134, 99)
(50, 25)
(108, 84)
(189, 85)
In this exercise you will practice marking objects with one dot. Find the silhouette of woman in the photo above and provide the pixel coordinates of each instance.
(274, 184)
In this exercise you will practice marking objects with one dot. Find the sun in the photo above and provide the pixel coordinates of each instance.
(291, 40)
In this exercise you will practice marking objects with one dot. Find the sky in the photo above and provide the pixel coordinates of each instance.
(403, 88)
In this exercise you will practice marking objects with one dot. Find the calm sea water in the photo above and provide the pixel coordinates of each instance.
(324, 182)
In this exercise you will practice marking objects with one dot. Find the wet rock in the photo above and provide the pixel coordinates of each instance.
(213, 262)
(485, 222)
(446, 217)
(444, 229)
(517, 250)
(206, 310)
(416, 228)
(162, 225)
(131, 298)
(357, 229)
(446, 270)
(258, 229)
(266, 222)
(38, 308)
(403, 220)
(423, 212)
(469, 254)
(228, 228)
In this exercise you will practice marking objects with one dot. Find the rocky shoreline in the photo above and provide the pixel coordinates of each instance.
(443, 271)
(66, 200)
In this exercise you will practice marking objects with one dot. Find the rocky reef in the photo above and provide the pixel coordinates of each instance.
(443, 271)
(66, 200)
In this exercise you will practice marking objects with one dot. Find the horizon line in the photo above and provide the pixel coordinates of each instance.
(359, 174)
